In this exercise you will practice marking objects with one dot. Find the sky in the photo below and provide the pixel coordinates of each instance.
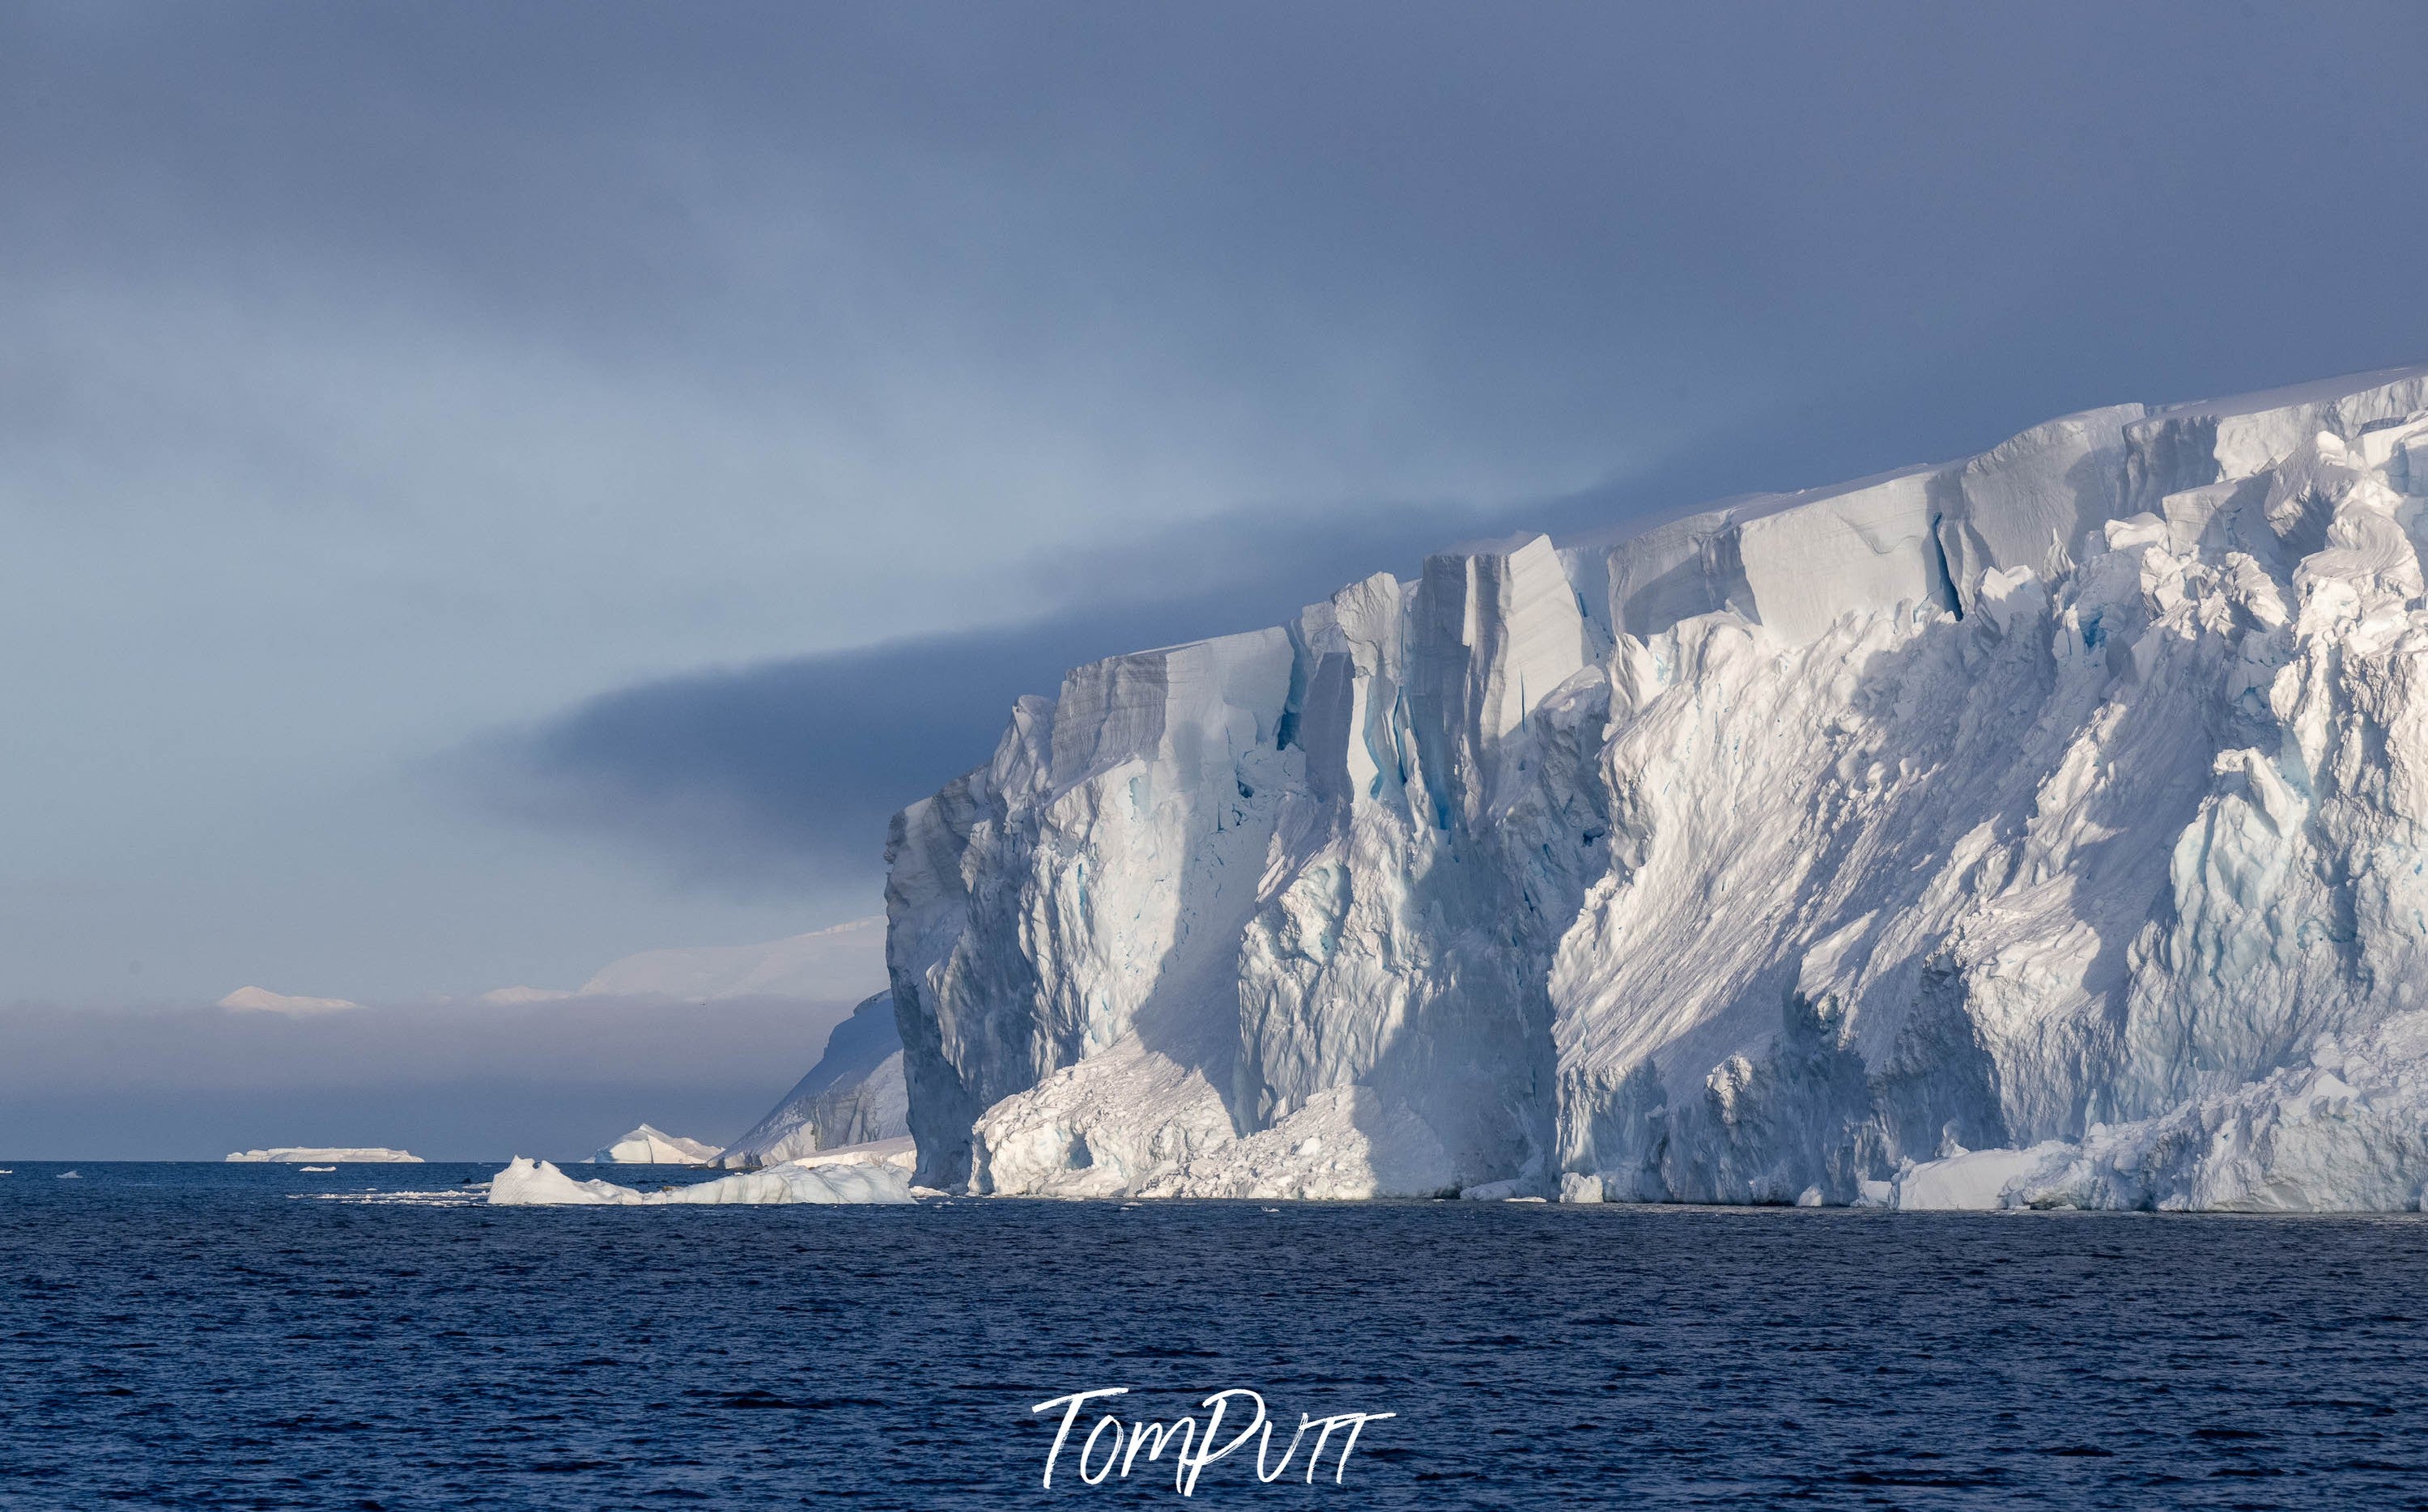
(488, 488)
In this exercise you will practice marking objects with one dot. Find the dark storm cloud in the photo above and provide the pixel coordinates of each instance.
(1547, 231)
(766, 778)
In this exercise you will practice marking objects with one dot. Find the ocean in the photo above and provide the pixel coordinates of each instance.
(232, 1336)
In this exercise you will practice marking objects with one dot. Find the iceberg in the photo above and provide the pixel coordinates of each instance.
(854, 1095)
(2044, 828)
(300, 1154)
(647, 1146)
(528, 1183)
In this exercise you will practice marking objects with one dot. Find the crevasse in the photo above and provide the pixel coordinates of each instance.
(2043, 828)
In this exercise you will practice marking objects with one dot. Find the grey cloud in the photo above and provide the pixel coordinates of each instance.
(375, 373)
(765, 779)
(781, 774)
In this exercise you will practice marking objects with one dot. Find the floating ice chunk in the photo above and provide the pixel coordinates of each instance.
(1975, 1182)
(526, 1183)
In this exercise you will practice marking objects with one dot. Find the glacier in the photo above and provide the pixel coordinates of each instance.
(2039, 829)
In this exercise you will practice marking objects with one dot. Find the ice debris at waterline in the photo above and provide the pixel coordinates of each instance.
(2043, 828)
(298, 1154)
(527, 1183)
(647, 1146)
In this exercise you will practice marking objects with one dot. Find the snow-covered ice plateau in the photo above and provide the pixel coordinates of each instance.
(2040, 829)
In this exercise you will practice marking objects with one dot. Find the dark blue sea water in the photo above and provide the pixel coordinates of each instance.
(208, 1336)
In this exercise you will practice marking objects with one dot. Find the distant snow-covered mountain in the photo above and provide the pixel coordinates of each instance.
(2049, 827)
(837, 965)
(263, 1001)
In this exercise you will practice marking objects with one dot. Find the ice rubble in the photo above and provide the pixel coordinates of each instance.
(2040, 828)
(854, 1095)
(867, 1174)
(649, 1145)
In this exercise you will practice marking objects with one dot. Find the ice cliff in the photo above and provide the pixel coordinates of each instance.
(2043, 828)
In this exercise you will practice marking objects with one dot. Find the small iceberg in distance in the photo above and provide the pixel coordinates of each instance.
(320, 1167)
(70, 1175)
(298, 1154)
(871, 1174)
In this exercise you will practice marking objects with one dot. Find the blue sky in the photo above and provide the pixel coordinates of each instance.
(492, 488)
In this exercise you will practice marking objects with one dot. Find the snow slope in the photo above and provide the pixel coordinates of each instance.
(853, 1096)
(2039, 828)
(647, 1146)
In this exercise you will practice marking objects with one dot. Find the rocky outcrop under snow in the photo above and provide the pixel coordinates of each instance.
(2044, 828)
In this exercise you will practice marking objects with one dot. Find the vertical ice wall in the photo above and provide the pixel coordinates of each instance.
(1765, 855)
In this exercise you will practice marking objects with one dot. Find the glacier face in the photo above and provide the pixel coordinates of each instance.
(2043, 828)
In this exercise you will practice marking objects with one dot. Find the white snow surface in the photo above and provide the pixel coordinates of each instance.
(650, 1145)
(263, 1001)
(529, 1183)
(299, 1154)
(839, 965)
(2040, 829)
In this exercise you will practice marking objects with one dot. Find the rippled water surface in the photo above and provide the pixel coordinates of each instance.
(196, 1335)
